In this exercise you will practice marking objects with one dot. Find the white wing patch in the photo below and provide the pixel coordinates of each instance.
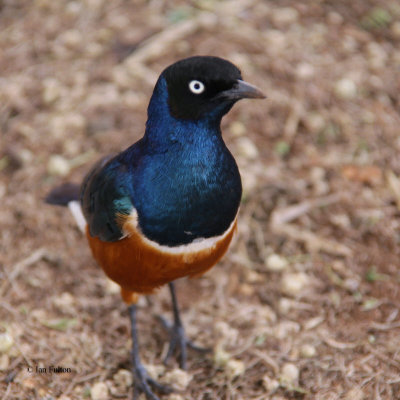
(76, 211)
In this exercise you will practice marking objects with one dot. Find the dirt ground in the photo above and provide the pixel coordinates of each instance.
(306, 303)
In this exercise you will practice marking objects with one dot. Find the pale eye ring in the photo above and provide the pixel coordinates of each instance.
(196, 86)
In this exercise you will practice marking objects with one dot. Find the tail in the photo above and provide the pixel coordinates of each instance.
(67, 195)
(63, 194)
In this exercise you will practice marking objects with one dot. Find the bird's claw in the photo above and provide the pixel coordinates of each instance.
(144, 384)
(179, 342)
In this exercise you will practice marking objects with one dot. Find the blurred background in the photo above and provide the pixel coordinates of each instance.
(306, 303)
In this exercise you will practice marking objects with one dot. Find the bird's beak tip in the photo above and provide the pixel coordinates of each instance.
(250, 91)
(245, 90)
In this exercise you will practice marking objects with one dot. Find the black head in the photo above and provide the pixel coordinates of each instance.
(205, 86)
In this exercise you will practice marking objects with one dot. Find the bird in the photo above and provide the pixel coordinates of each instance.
(166, 207)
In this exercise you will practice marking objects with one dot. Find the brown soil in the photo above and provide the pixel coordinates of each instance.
(306, 303)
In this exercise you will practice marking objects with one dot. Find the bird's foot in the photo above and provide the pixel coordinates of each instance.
(144, 383)
(179, 342)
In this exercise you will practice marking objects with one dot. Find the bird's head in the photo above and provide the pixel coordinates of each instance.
(204, 87)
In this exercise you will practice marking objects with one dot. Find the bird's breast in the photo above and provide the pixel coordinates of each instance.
(140, 265)
(187, 196)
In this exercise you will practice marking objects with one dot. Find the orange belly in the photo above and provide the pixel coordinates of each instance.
(139, 267)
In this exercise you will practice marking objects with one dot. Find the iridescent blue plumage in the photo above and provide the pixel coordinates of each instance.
(189, 186)
(180, 177)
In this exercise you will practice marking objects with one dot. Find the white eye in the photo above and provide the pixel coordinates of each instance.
(196, 87)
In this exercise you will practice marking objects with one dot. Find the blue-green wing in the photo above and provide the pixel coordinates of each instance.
(105, 198)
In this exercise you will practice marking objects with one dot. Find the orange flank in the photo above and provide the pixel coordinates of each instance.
(139, 265)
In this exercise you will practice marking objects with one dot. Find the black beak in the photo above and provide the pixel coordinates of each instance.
(243, 90)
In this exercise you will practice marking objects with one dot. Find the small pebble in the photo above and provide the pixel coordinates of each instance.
(155, 371)
(237, 129)
(290, 373)
(275, 262)
(355, 393)
(103, 95)
(377, 56)
(99, 391)
(58, 165)
(221, 357)
(246, 289)
(226, 334)
(43, 394)
(39, 314)
(71, 38)
(250, 181)
(25, 156)
(240, 59)
(65, 302)
(294, 283)
(67, 124)
(276, 40)
(175, 396)
(25, 130)
(314, 122)
(270, 384)
(263, 315)
(4, 362)
(317, 174)
(71, 148)
(177, 378)
(285, 305)
(345, 89)
(29, 383)
(285, 15)
(335, 18)
(285, 329)
(94, 49)
(131, 99)
(63, 397)
(305, 71)
(341, 220)
(76, 122)
(123, 378)
(351, 284)
(247, 148)
(253, 276)
(6, 342)
(52, 90)
(307, 351)
(234, 368)
(372, 339)
(73, 8)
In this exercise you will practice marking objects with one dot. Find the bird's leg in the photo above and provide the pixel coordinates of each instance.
(178, 341)
(143, 382)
